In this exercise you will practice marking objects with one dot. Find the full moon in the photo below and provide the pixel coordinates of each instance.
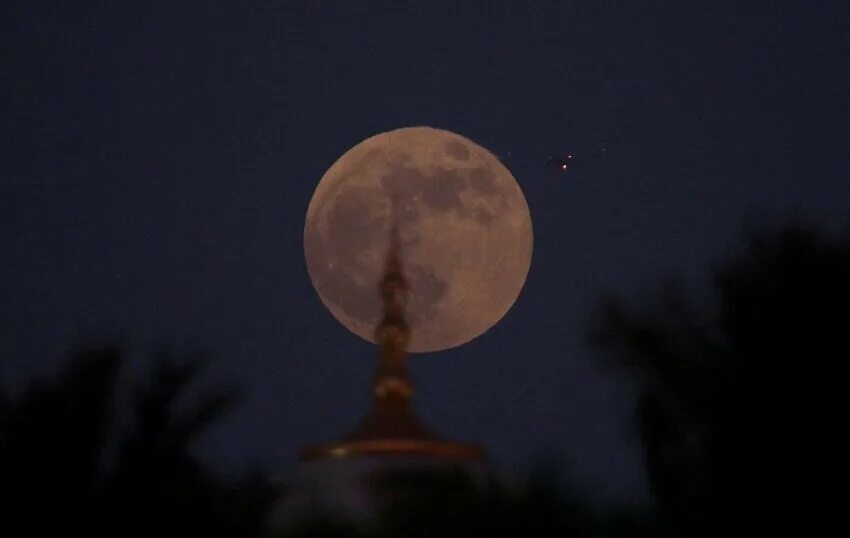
(464, 230)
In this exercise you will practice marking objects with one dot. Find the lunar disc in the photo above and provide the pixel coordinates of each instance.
(464, 228)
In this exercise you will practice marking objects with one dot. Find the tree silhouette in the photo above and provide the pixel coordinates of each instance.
(732, 394)
(68, 466)
(52, 442)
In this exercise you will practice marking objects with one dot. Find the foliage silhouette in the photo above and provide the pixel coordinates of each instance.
(68, 466)
(731, 395)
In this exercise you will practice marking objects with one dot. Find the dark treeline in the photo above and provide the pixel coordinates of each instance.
(69, 465)
(727, 390)
(738, 397)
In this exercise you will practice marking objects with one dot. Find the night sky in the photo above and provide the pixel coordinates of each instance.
(157, 159)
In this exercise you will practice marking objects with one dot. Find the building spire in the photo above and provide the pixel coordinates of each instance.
(391, 426)
(393, 333)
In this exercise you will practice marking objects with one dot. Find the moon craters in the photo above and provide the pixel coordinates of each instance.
(457, 150)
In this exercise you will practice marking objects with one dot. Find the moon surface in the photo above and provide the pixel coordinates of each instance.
(464, 229)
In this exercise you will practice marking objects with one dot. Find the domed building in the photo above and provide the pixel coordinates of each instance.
(340, 478)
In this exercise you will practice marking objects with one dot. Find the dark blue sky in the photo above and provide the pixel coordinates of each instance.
(157, 158)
